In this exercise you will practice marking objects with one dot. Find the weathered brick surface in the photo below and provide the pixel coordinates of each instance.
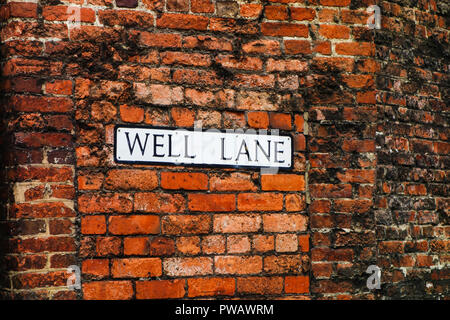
(412, 187)
(367, 110)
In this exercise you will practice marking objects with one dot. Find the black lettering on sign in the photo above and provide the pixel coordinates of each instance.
(136, 138)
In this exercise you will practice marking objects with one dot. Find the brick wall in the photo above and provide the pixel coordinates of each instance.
(367, 109)
(412, 214)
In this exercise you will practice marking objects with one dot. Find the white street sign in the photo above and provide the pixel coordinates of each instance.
(201, 148)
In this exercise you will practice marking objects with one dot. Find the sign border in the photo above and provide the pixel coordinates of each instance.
(117, 126)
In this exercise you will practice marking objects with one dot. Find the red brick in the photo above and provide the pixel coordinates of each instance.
(188, 245)
(323, 47)
(284, 222)
(280, 121)
(302, 14)
(201, 98)
(202, 6)
(161, 246)
(424, 261)
(213, 244)
(21, 10)
(286, 243)
(282, 182)
(33, 280)
(322, 269)
(284, 29)
(20, 84)
(61, 13)
(286, 65)
(358, 145)
(327, 254)
(250, 10)
(366, 97)
(334, 31)
(355, 48)
(187, 59)
(95, 267)
(159, 202)
(178, 5)
(136, 268)
(233, 182)
(254, 81)
(295, 202)
(124, 179)
(108, 246)
(238, 244)
(63, 191)
(233, 26)
(42, 210)
(93, 225)
(258, 119)
(64, 226)
(389, 247)
(262, 46)
(126, 18)
(260, 202)
(51, 244)
(160, 289)
(324, 63)
(211, 287)
(131, 114)
(186, 224)
(299, 123)
(297, 46)
(108, 290)
(212, 202)
(357, 176)
(299, 142)
(182, 21)
(329, 286)
(284, 264)
(37, 139)
(335, 3)
(183, 117)
(243, 63)
(90, 181)
(416, 189)
(63, 87)
(331, 191)
(126, 225)
(92, 203)
(322, 221)
(303, 243)
(136, 246)
(184, 180)
(42, 174)
(179, 267)
(356, 206)
(236, 223)
(276, 12)
(299, 284)
(260, 285)
(164, 40)
(263, 243)
(207, 43)
(238, 264)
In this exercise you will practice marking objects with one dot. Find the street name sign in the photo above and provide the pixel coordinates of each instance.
(176, 146)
